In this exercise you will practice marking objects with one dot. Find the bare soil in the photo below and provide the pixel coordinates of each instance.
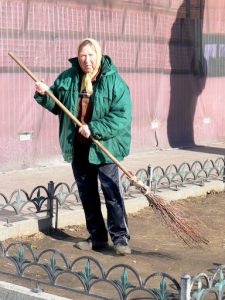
(154, 247)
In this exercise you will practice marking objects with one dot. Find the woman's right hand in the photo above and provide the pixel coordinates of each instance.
(41, 87)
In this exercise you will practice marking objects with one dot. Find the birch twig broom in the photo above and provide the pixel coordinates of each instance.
(185, 228)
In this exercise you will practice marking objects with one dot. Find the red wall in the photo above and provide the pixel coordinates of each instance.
(169, 52)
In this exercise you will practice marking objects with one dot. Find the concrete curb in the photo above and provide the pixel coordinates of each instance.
(193, 191)
(11, 291)
(65, 218)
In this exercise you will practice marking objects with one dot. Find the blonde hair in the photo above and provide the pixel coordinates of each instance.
(87, 78)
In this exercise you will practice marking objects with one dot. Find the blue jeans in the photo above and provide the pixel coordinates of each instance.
(86, 176)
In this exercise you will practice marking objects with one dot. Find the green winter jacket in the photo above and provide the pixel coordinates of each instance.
(111, 117)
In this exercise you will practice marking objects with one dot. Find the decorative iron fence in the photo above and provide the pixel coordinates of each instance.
(51, 268)
(49, 200)
(177, 177)
(41, 200)
(205, 286)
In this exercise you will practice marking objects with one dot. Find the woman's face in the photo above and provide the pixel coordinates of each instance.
(87, 58)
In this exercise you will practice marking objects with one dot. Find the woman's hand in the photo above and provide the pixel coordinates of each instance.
(85, 131)
(41, 87)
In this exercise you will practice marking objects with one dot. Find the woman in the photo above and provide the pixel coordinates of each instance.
(96, 94)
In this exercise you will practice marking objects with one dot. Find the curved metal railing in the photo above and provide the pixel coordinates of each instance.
(50, 199)
(51, 268)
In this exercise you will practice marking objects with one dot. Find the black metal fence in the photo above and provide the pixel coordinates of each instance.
(49, 199)
(86, 276)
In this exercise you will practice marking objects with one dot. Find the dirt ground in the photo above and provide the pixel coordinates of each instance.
(154, 248)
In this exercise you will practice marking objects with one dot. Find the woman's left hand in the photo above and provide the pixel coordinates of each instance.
(85, 131)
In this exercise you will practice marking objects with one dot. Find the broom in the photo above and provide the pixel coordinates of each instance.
(185, 228)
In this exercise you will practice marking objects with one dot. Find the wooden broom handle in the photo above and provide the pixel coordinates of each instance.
(75, 120)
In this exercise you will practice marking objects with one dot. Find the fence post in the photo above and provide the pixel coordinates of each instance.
(185, 285)
(50, 203)
(224, 170)
(149, 179)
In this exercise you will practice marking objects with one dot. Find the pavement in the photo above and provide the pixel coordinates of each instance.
(28, 179)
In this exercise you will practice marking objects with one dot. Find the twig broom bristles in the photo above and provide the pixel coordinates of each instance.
(184, 228)
(187, 229)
